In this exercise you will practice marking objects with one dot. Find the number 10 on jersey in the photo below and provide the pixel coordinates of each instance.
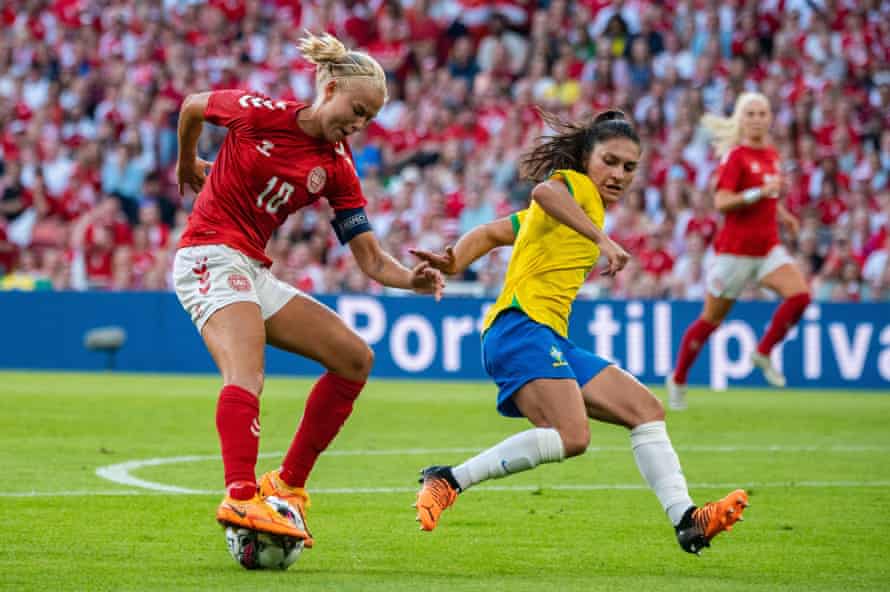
(277, 199)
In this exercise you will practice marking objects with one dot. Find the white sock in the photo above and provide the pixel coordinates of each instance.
(520, 452)
(660, 467)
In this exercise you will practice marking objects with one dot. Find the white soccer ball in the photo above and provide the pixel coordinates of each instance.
(260, 550)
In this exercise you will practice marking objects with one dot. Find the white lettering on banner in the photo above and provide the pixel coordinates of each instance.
(884, 356)
(454, 329)
(662, 336)
(636, 340)
(850, 359)
(603, 328)
(350, 308)
(812, 344)
(722, 367)
(856, 349)
(426, 343)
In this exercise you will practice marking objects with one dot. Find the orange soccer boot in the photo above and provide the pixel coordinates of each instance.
(699, 525)
(439, 492)
(256, 514)
(297, 497)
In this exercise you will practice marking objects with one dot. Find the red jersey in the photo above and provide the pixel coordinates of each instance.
(750, 230)
(267, 168)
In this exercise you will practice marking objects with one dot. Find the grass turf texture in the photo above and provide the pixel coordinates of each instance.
(56, 429)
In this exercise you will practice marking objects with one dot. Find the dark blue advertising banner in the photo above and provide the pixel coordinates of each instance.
(835, 345)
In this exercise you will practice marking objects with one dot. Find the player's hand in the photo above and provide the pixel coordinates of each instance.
(192, 173)
(617, 257)
(426, 280)
(772, 186)
(444, 262)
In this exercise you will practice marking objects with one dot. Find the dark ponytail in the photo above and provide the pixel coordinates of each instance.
(570, 148)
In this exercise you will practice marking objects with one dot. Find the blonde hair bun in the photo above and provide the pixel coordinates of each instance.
(334, 61)
(323, 49)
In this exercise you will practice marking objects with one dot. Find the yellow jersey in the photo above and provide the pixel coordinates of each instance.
(550, 261)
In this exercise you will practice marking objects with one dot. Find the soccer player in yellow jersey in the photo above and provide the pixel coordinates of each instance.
(540, 374)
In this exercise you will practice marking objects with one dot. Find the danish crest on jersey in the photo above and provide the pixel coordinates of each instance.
(316, 179)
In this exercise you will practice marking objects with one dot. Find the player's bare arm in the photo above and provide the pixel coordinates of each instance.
(555, 199)
(725, 201)
(382, 267)
(470, 247)
(191, 170)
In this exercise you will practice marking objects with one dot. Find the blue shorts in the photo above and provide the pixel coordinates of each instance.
(517, 350)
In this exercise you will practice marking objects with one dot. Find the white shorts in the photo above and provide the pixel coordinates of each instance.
(209, 277)
(729, 274)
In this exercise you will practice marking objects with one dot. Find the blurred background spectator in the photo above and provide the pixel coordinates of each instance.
(89, 95)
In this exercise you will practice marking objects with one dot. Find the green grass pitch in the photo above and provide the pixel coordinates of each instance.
(817, 465)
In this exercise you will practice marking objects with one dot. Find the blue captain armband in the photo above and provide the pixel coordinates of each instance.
(350, 223)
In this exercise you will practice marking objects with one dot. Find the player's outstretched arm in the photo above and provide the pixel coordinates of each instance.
(725, 201)
(555, 199)
(471, 246)
(383, 267)
(191, 170)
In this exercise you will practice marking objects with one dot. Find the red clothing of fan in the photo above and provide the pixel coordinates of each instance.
(267, 168)
(750, 230)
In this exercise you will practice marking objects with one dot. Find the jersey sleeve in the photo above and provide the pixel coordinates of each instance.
(729, 173)
(517, 218)
(575, 183)
(229, 108)
(346, 193)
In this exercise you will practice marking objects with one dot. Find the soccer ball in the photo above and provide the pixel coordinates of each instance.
(260, 550)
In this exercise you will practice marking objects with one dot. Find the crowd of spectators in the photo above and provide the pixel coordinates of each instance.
(90, 91)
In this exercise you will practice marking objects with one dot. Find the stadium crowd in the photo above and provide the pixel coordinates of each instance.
(90, 92)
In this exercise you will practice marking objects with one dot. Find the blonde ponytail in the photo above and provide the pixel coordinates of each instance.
(726, 131)
(322, 50)
(334, 61)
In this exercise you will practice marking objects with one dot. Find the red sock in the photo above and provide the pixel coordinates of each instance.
(785, 317)
(693, 340)
(327, 409)
(238, 424)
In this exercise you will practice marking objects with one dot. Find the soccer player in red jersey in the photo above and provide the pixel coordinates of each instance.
(748, 186)
(277, 157)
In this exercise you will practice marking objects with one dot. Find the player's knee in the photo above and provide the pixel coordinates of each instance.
(360, 363)
(575, 440)
(366, 361)
(370, 358)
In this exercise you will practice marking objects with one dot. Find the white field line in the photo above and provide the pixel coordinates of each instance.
(121, 472)
(379, 490)
(76, 493)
